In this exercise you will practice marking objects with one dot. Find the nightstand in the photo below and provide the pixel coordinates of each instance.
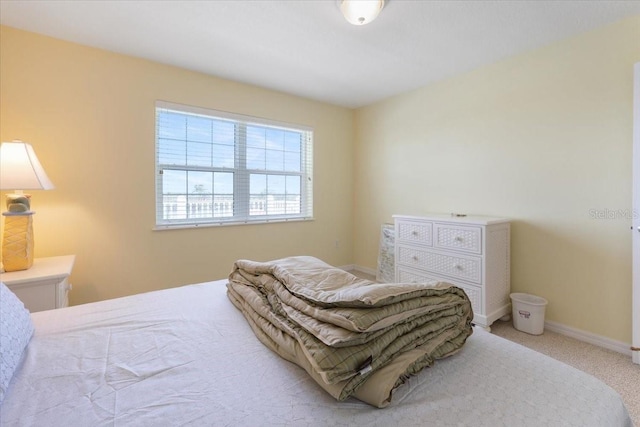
(45, 285)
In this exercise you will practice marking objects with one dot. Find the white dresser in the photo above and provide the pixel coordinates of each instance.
(471, 252)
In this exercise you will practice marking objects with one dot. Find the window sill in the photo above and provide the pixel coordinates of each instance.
(225, 224)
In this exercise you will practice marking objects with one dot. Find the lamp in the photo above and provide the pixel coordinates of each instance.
(19, 169)
(361, 12)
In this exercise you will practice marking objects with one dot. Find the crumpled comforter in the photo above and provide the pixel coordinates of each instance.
(353, 336)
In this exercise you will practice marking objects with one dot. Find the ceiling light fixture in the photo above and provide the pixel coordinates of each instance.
(361, 12)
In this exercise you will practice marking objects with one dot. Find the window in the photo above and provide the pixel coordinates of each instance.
(218, 168)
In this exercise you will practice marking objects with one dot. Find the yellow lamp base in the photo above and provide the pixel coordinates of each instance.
(17, 242)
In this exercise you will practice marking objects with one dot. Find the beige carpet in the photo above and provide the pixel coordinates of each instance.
(613, 368)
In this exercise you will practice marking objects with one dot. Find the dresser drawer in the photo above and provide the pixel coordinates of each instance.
(37, 296)
(414, 232)
(458, 266)
(410, 276)
(458, 238)
(473, 292)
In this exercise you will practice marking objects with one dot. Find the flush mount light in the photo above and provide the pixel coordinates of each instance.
(360, 12)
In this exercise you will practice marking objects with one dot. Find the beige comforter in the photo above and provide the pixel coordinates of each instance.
(353, 336)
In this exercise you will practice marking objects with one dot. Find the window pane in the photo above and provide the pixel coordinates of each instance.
(198, 129)
(172, 152)
(256, 158)
(258, 184)
(174, 182)
(223, 197)
(222, 205)
(199, 206)
(275, 160)
(174, 207)
(171, 125)
(275, 190)
(174, 188)
(223, 156)
(224, 132)
(257, 194)
(255, 137)
(200, 199)
(275, 139)
(292, 162)
(293, 195)
(293, 185)
(200, 182)
(223, 183)
(198, 154)
(292, 141)
(292, 204)
(275, 184)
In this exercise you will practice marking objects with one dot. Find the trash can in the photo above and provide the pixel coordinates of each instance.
(528, 313)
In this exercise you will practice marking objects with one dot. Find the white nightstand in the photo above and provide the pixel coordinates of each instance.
(45, 285)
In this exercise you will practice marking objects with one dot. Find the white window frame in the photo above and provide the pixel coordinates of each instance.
(241, 187)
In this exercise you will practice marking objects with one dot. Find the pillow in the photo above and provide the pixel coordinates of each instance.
(16, 330)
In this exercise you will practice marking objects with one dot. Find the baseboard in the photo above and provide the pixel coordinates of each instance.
(360, 269)
(588, 337)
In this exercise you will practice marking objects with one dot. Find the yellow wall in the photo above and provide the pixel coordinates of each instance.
(89, 114)
(544, 138)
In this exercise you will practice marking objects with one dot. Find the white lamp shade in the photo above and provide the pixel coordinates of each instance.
(20, 168)
(361, 12)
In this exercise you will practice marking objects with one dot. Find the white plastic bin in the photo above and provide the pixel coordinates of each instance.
(528, 313)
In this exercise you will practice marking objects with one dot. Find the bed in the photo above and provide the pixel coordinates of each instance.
(186, 356)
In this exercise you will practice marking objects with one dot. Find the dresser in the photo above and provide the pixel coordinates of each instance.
(45, 285)
(471, 252)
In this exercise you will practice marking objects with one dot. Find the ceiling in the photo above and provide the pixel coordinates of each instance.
(307, 48)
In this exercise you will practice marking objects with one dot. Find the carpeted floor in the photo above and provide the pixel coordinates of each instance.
(613, 368)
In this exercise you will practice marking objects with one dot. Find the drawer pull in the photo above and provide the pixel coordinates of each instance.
(414, 232)
(458, 239)
(457, 266)
(415, 257)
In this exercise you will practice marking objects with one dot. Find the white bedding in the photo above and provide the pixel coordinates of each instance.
(186, 356)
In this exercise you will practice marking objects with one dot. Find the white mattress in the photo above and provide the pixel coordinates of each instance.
(186, 356)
